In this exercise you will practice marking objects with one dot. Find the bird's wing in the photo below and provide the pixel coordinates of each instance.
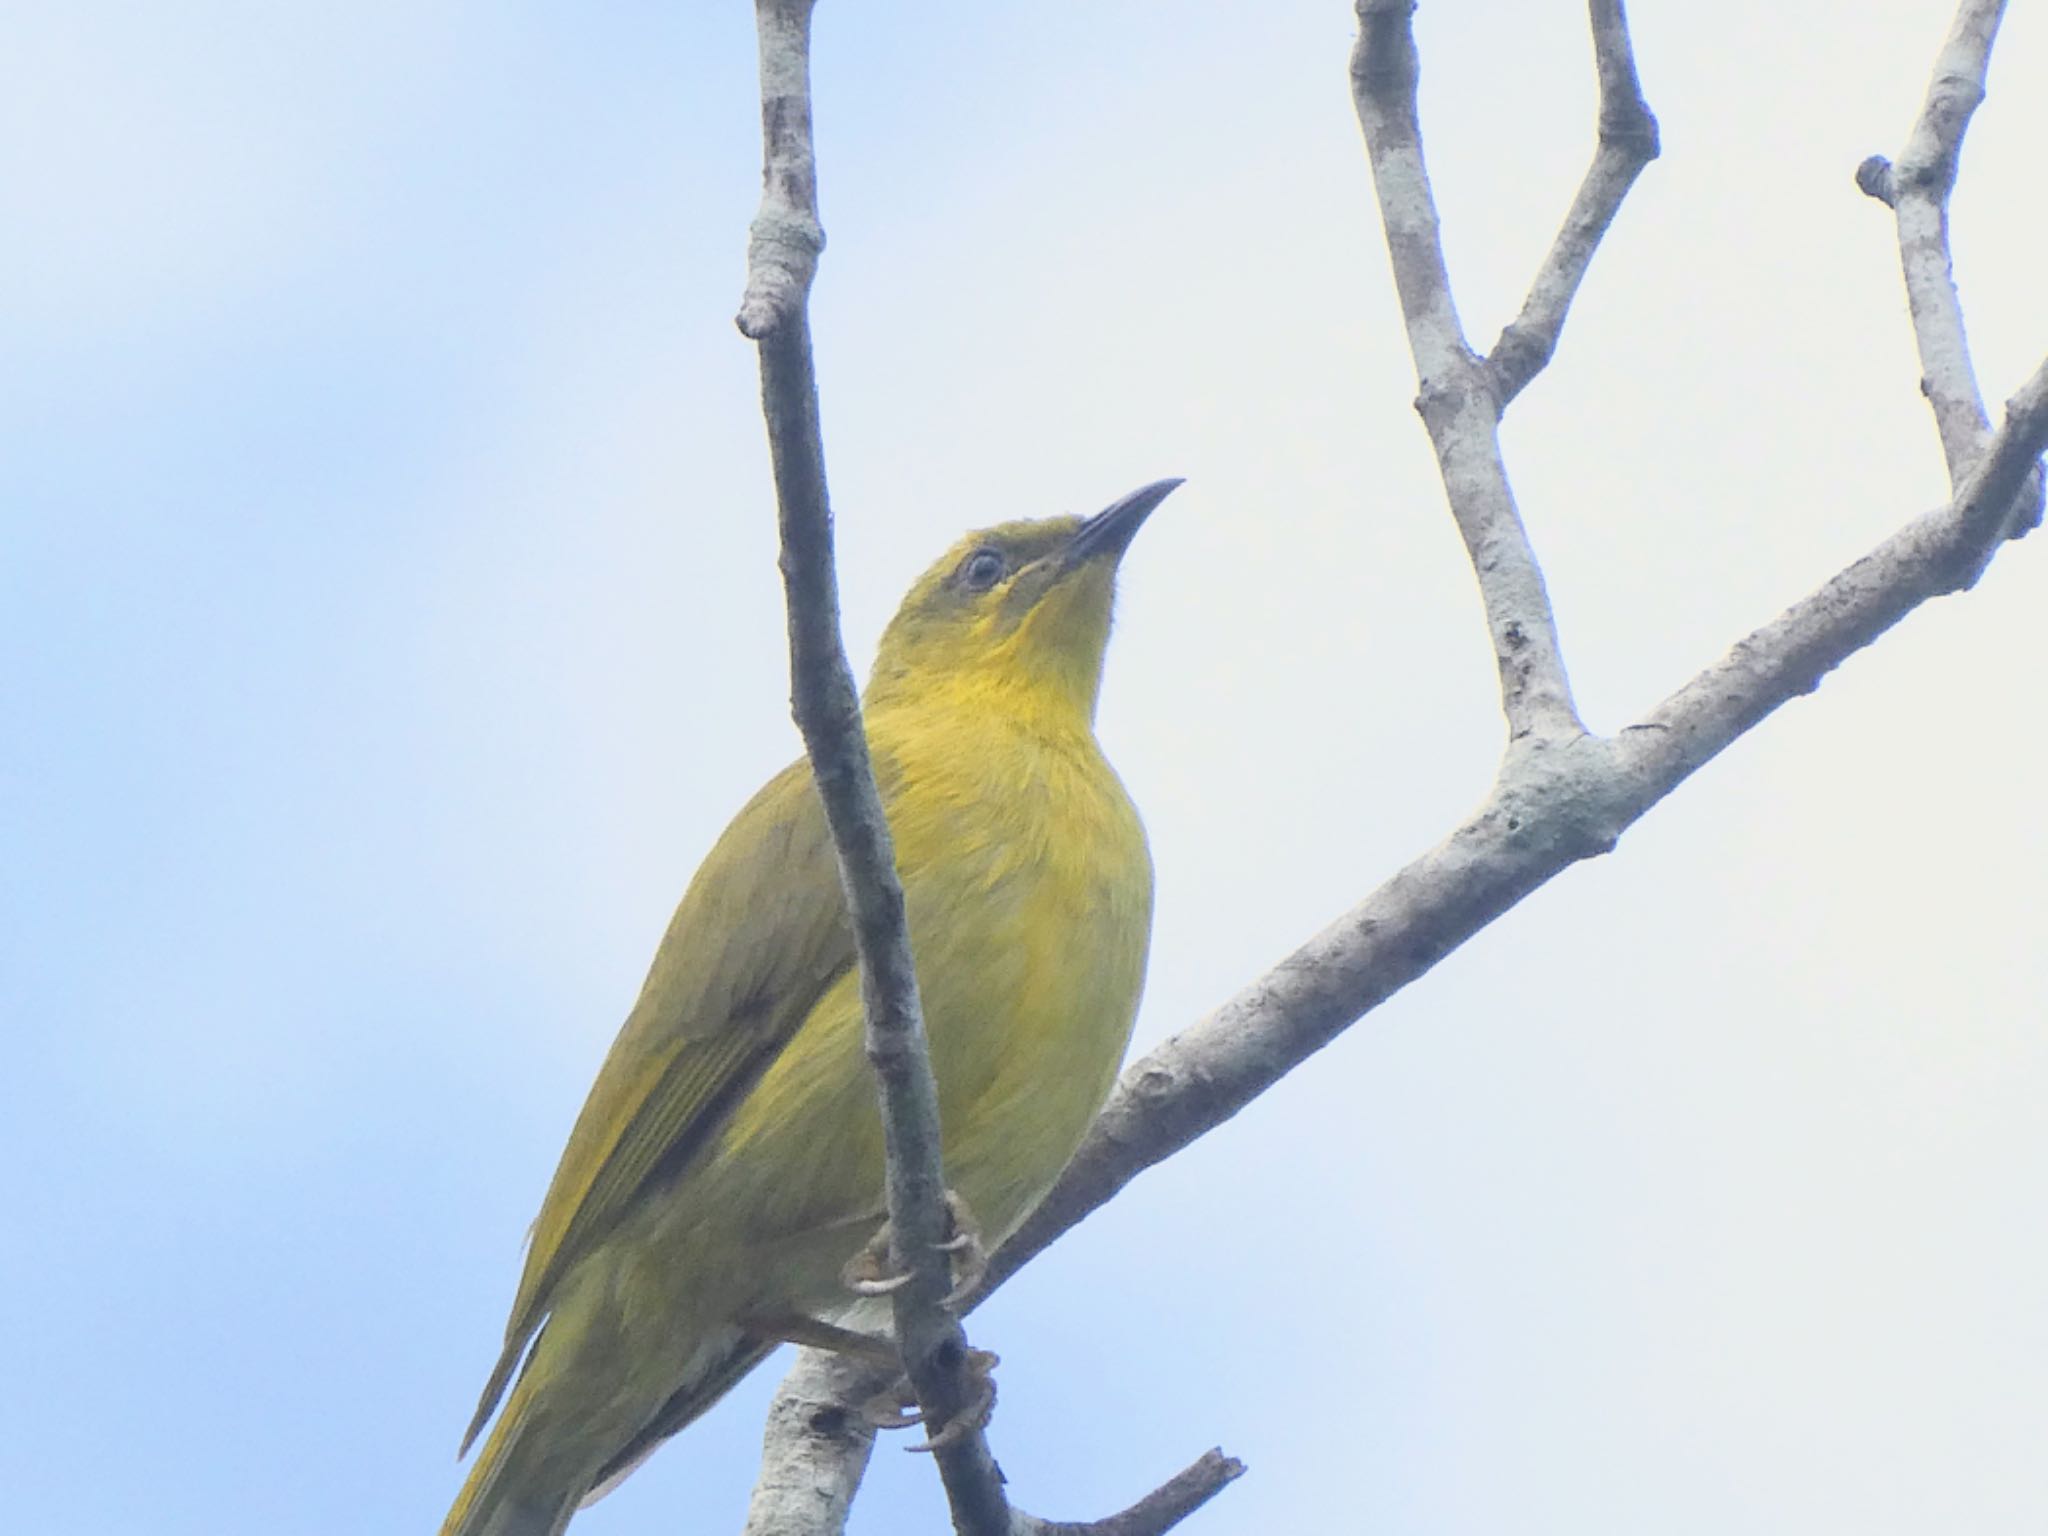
(759, 937)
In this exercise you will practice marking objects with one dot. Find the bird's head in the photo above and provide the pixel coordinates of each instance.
(1019, 612)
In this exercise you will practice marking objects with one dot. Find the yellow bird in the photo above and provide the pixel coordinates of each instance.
(727, 1165)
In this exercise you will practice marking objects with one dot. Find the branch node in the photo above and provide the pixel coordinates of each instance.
(782, 259)
(1874, 176)
(1631, 128)
(1523, 351)
(1919, 185)
(1462, 396)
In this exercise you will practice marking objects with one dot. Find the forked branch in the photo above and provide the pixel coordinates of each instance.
(1628, 142)
(1459, 400)
(1917, 190)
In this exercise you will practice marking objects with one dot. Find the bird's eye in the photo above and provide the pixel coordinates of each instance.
(981, 570)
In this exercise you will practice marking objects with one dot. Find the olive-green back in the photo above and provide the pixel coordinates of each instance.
(758, 938)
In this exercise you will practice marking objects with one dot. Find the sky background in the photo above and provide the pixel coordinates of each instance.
(390, 623)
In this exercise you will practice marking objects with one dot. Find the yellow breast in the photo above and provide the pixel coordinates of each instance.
(1029, 895)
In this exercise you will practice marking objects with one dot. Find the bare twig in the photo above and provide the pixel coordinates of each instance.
(1917, 189)
(1920, 185)
(782, 257)
(1874, 177)
(1457, 399)
(785, 238)
(1156, 1513)
(1628, 142)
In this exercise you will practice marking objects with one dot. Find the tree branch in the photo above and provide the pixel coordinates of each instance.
(1457, 402)
(815, 1447)
(785, 239)
(1156, 1513)
(1918, 190)
(782, 258)
(1547, 809)
(1628, 142)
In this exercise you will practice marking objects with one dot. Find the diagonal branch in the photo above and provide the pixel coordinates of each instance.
(1540, 819)
(782, 258)
(1457, 400)
(1940, 552)
(1917, 190)
(1628, 142)
(1531, 827)
(1159, 1511)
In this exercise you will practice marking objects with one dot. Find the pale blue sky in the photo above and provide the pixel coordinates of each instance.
(390, 622)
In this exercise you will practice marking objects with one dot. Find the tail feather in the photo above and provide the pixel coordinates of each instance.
(512, 1490)
(501, 1376)
(542, 1516)
(567, 1435)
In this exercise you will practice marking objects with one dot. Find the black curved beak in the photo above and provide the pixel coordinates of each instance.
(1110, 531)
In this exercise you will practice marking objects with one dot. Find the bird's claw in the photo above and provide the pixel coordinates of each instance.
(861, 1278)
(964, 1247)
(895, 1407)
(979, 1368)
(868, 1273)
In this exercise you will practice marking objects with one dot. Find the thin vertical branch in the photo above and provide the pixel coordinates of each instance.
(1457, 400)
(1918, 189)
(1628, 141)
(785, 238)
(1921, 183)
(782, 258)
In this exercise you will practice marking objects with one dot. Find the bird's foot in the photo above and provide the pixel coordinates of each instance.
(895, 1407)
(968, 1258)
(869, 1272)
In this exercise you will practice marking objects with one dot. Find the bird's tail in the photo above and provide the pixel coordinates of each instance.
(500, 1516)
(569, 1433)
(509, 1493)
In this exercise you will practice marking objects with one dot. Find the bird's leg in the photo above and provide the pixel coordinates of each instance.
(887, 1408)
(895, 1406)
(868, 1272)
(816, 1333)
